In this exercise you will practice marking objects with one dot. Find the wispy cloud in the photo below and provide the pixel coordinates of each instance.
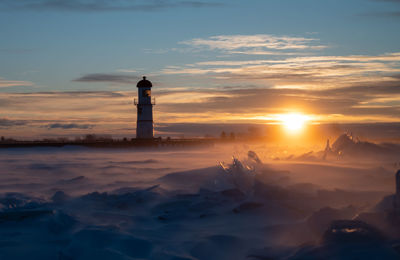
(69, 126)
(358, 102)
(253, 44)
(77, 112)
(6, 123)
(13, 83)
(108, 78)
(102, 6)
(301, 72)
(30, 114)
(128, 70)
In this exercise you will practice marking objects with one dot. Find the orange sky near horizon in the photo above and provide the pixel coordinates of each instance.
(75, 113)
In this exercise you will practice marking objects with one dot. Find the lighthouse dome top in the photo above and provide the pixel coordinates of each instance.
(144, 83)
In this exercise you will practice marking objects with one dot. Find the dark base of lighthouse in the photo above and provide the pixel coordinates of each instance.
(144, 130)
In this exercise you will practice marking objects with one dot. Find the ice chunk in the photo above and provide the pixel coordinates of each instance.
(241, 176)
(253, 157)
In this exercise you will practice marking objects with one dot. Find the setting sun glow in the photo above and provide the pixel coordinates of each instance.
(293, 122)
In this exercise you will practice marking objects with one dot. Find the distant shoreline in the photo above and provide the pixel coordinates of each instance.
(156, 142)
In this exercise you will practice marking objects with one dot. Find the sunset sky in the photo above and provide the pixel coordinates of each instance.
(71, 66)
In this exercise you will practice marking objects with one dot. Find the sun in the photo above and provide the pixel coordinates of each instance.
(293, 122)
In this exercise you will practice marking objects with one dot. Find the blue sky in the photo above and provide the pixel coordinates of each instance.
(50, 47)
(83, 45)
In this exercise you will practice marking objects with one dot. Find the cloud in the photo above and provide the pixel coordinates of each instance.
(298, 72)
(379, 101)
(257, 44)
(202, 129)
(69, 126)
(109, 112)
(101, 6)
(8, 123)
(13, 83)
(103, 77)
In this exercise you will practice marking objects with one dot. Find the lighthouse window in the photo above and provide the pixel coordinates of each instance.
(147, 93)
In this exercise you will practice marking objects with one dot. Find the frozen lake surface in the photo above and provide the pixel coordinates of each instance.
(80, 203)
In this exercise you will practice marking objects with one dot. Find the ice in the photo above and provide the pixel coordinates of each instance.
(242, 176)
(79, 203)
(253, 156)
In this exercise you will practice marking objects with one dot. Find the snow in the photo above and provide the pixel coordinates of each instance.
(81, 203)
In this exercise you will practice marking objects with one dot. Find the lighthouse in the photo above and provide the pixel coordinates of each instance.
(144, 104)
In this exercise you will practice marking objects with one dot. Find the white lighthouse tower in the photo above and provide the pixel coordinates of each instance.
(144, 104)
